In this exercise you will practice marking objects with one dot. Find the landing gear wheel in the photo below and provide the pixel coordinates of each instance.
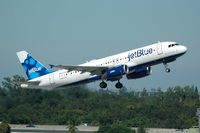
(167, 70)
(103, 84)
(118, 85)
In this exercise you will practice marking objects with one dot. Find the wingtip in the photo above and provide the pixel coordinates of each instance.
(51, 66)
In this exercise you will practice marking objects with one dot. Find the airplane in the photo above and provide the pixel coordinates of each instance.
(133, 64)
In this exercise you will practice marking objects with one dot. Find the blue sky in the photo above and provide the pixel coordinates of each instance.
(72, 32)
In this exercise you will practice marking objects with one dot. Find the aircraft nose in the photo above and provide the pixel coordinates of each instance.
(183, 49)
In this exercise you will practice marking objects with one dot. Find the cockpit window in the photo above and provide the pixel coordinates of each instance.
(172, 45)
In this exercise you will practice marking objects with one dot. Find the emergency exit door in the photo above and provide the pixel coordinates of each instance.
(51, 79)
(159, 48)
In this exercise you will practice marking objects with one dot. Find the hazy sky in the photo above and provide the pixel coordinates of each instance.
(72, 32)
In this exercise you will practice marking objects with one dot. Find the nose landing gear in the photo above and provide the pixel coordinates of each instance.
(167, 69)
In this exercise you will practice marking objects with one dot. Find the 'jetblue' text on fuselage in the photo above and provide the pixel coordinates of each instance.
(139, 53)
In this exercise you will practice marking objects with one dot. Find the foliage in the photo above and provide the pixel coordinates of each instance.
(73, 117)
(141, 129)
(173, 108)
(115, 128)
(72, 128)
(4, 128)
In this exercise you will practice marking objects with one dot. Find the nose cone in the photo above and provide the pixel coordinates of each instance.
(183, 49)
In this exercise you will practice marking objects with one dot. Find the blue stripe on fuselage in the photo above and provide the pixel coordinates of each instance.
(155, 62)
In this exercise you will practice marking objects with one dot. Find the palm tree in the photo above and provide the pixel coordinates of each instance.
(72, 129)
(72, 126)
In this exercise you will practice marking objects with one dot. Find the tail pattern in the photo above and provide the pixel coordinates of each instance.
(32, 67)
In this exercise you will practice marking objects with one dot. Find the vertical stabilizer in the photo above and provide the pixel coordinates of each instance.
(32, 67)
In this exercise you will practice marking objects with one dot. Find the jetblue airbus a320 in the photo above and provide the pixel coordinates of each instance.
(133, 64)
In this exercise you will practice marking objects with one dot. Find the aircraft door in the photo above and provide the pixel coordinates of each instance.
(51, 79)
(159, 48)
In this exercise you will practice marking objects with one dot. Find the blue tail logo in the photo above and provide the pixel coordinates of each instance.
(32, 67)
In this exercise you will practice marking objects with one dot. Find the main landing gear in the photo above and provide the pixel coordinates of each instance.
(167, 69)
(118, 85)
(103, 84)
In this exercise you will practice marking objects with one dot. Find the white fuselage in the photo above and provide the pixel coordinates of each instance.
(145, 56)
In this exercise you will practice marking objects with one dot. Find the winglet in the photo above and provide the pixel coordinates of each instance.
(51, 66)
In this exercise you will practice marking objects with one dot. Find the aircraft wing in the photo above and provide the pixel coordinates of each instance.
(94, 70)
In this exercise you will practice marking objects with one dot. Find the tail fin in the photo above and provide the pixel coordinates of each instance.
(32, 67)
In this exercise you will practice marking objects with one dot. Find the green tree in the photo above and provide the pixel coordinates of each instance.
(4, 128)
(74, 119)
(72, 126)
(106, 118)
(173, 108)
(141, 129)
(115, 128)
(144, 93)
(12, 83)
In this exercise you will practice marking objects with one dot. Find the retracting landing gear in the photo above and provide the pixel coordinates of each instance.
(118, 85)
(103, 84)
(167, 69)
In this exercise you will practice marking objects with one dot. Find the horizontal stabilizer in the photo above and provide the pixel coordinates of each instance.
(33, 82)
(29, 84)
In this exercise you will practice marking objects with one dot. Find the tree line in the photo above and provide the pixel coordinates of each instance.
(173, 108)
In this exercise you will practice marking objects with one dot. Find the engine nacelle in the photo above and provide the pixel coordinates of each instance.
(116, 73)
(139, 73)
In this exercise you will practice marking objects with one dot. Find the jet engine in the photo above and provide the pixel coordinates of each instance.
(139, 73)
(115, 73)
